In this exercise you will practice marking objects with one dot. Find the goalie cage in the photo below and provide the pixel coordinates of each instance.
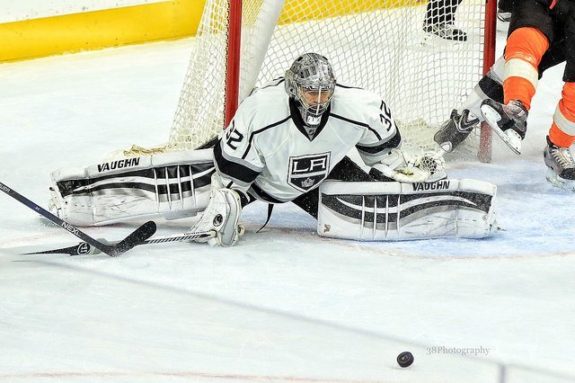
(379, 45)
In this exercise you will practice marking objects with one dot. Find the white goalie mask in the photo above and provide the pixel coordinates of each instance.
(311, 83)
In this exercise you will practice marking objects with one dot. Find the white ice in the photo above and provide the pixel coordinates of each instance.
(284, 305)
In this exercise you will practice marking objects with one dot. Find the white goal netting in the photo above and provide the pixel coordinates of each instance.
(379, 45)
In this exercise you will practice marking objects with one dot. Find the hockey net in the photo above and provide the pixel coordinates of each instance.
(379, 45)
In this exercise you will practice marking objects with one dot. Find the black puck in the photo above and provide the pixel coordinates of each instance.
(405, 359)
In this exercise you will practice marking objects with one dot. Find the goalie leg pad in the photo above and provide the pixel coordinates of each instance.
(392, 211)
(167, 185)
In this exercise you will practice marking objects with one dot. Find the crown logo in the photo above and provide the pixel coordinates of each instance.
(308, 182)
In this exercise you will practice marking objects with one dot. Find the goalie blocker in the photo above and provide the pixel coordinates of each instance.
(388, 211)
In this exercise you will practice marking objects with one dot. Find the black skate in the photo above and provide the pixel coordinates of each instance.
(508, 121)
(446, 31)
(561, 166)
(455, 130)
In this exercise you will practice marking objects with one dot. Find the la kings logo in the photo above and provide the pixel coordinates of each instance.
(306, 172)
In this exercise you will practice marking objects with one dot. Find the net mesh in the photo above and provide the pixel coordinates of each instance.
(379, 45)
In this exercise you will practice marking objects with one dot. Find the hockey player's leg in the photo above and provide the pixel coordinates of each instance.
(557, 155)
(453, 131)
(560, 166)
(221, 216)
(526, 46)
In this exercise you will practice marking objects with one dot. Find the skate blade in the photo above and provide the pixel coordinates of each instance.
(511, 138)
(559, 182)
(431, 40)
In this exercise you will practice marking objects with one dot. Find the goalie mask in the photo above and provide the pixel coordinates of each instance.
(311, 83)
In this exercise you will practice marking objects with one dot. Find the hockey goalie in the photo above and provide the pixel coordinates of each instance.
(288, 142)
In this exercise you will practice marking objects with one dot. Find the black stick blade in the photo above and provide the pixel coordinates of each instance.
(83, 248)
(136, 238)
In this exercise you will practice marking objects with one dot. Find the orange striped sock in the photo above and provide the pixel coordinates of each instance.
(523, 52)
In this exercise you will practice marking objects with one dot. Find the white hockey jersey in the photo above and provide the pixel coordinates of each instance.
(267, 151)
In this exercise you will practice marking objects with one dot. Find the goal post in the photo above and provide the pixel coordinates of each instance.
(379, 45)
(490, 34)
(232, 61)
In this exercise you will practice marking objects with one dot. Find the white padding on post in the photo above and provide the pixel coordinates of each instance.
(168, 185)
(390, 211)
(497, 71)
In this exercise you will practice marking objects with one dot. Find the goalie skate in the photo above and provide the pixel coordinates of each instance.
(455, 130)
(560, 166)
(509, 121)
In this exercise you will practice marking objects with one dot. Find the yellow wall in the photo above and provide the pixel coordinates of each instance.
(142, 23)
(337, 8)
(99, 29)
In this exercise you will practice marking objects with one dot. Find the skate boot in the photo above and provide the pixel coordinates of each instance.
(455, 130)
(508, 121)
(561, 166)
(446, 31)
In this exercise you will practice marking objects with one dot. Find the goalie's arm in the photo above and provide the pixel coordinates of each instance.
(237, 166)
(380, 131)
(380, 143)
(236, 157)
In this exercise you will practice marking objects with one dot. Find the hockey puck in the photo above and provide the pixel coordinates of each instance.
(405, 359)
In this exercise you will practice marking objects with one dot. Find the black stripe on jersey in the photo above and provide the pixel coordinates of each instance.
(232, 169)
(391, 143)
(259, 131)
(357, 123)
(261, 195)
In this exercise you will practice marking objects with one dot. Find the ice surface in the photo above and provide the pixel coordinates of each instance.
(284, 305)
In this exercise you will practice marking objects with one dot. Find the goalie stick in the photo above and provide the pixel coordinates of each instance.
(84, 248)
(136, 237)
